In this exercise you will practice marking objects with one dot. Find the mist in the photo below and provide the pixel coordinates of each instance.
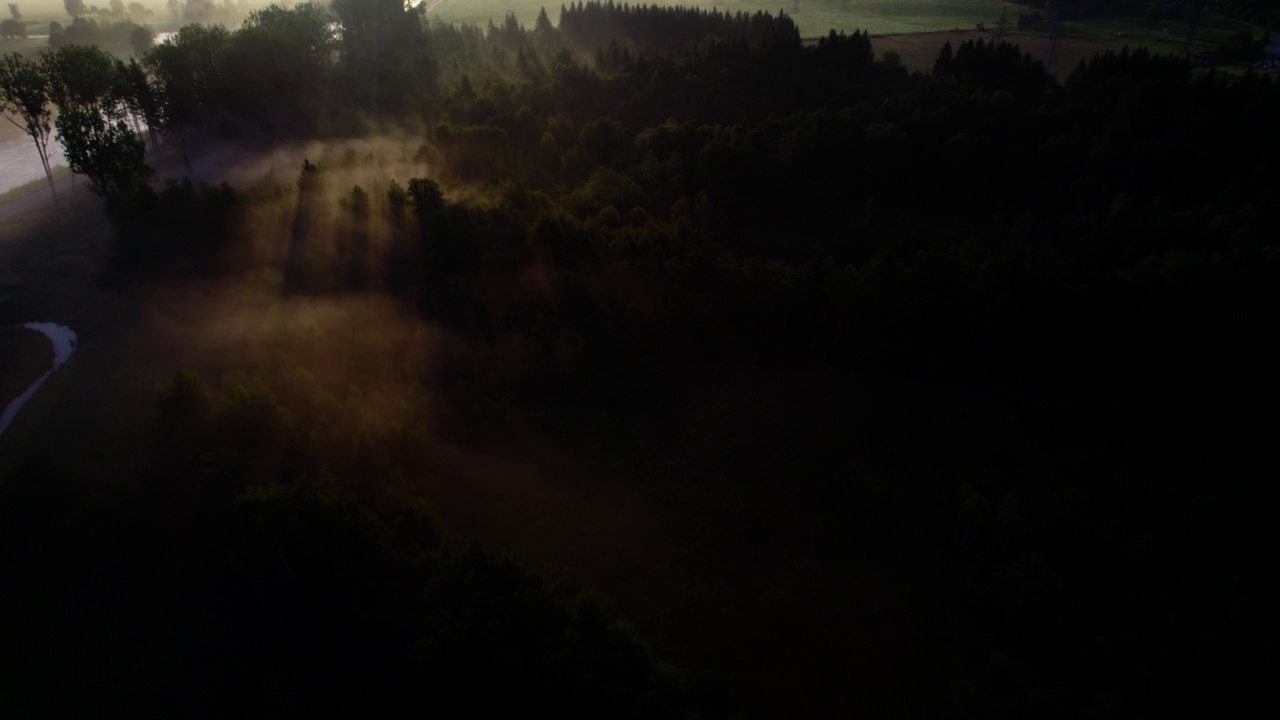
(644, 361)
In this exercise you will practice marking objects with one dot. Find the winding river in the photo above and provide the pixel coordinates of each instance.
(64, 343)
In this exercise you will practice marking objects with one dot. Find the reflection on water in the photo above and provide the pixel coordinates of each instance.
(64, 343)
(20, 163)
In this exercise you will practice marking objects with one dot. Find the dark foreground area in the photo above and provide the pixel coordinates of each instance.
(677, 370)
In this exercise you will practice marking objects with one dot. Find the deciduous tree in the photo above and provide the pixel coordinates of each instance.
(92, 91)
(25, 102)
(104, 149)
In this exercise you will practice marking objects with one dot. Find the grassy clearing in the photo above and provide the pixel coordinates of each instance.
(35, 186)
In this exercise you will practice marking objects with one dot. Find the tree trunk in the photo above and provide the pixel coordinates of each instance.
(48, 172)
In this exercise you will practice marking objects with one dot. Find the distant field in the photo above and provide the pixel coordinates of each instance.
(28, 45)
(895, 20)
(814, 17)
(915, 29)
(1134, 32)
(1081, 41)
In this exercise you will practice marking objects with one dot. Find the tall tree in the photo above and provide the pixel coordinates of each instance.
(92, 90)
(143, 99)
(25, 102)
(13, 27)
(281, 61)
(104, 149)
(185, 70)
(384, 54)
(142, 38)
(545, 37)
(83, 75)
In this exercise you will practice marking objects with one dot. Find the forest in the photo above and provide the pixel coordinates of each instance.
(653, 362)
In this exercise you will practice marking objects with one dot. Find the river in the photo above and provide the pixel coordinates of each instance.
(64, 343)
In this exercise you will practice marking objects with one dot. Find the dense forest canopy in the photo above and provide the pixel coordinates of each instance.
(953, 388)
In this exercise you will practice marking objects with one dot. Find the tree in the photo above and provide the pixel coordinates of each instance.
(13, 11)
(11, 28)
(91, 91)
(281, 60)
(427, 196)
(384, 58)
(25, 102)
(184, 68)
(83, 75)
(397, 200)
(143, 100)
(81, 31)
(142, 39)
(946, 60)
(545, 36)
(75, 8)
(103, 149)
